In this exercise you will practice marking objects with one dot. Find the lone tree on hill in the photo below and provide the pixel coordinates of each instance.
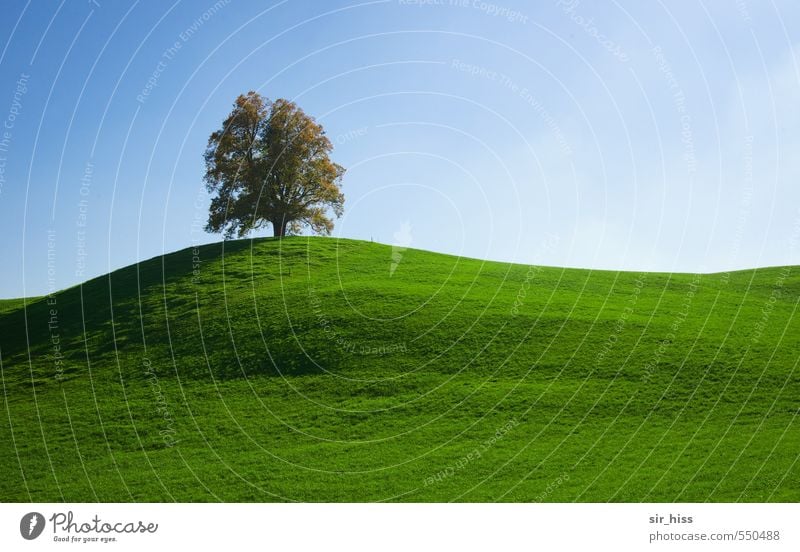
(269, 164)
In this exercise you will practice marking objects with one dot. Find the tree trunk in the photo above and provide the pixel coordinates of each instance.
(279, 227)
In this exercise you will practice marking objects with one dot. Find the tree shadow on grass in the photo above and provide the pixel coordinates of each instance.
(287, 358)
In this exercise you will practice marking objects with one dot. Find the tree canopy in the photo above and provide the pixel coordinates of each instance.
(270, 164)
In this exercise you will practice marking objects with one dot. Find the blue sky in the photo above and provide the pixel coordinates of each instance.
(624, 135)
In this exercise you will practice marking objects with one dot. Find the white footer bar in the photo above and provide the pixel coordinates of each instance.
(400, 527)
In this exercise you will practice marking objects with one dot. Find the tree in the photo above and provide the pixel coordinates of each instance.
(269, 164)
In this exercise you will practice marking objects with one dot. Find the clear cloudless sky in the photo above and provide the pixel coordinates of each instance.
(613, 134)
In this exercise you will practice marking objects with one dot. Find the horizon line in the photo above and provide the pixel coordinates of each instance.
(310, 237)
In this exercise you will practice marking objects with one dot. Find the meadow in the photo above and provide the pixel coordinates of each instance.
(312, 369)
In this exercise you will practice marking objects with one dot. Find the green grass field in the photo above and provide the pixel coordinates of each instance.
(301, 370)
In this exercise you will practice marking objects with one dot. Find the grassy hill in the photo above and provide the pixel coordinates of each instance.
(302, 369)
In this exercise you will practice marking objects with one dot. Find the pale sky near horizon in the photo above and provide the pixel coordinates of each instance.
(615, 135)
